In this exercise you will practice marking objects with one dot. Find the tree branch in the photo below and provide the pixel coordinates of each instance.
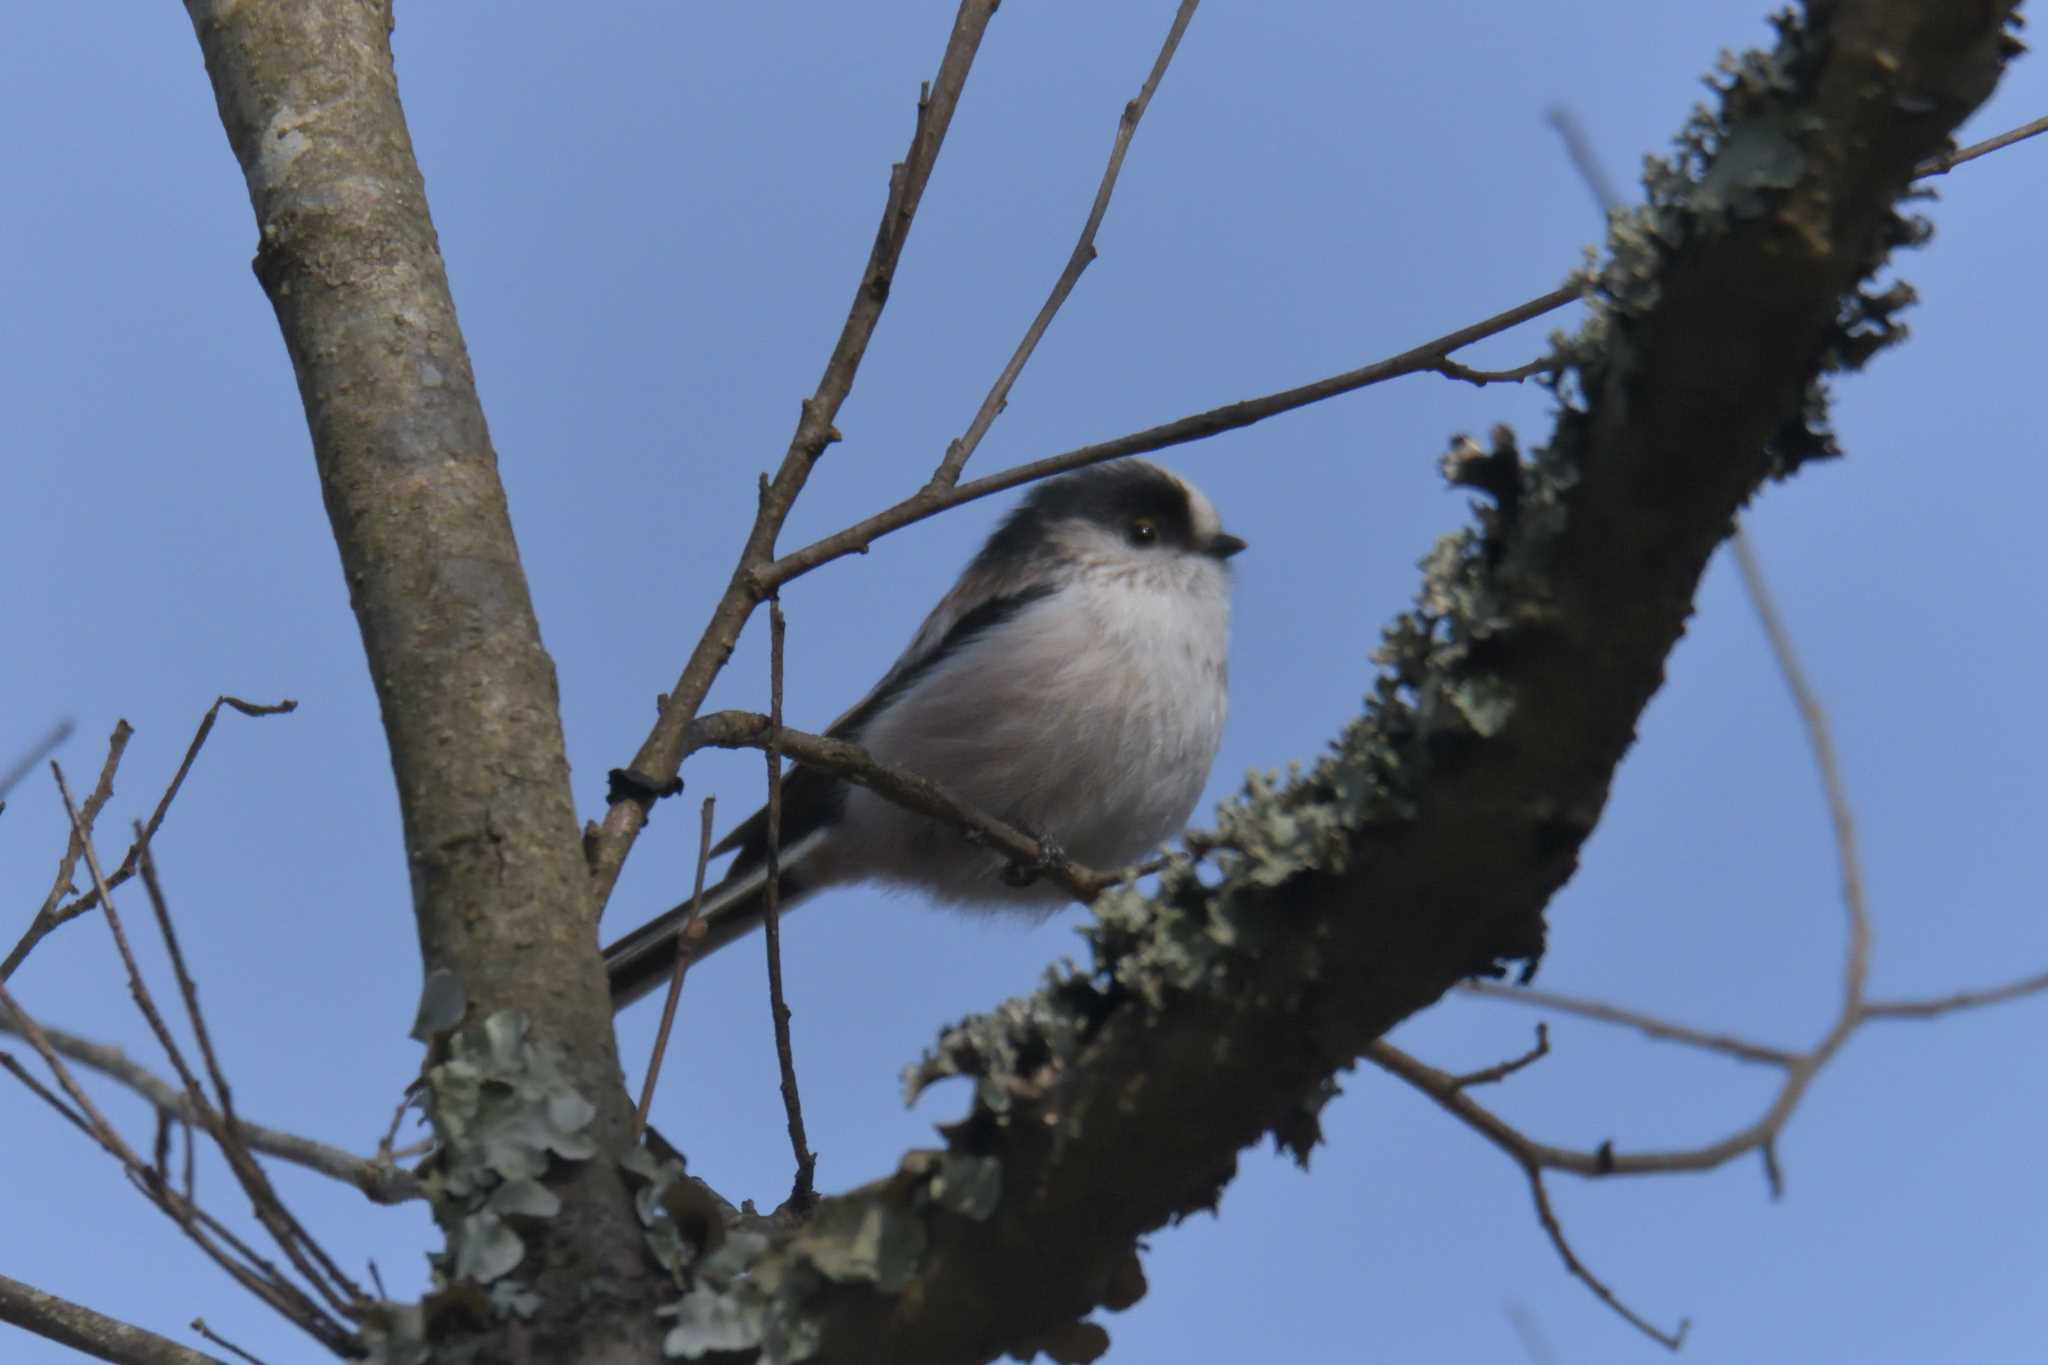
(347, 255)
(94, 1334)
(1083, 255)
(381, 1182)
(661, 754)
(751, 730)
(931, 500)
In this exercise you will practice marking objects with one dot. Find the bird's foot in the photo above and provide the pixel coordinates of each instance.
(1051, 858)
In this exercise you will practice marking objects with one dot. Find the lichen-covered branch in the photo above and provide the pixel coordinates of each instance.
(1425, 847)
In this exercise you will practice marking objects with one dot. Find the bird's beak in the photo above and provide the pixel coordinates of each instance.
(1223, 545)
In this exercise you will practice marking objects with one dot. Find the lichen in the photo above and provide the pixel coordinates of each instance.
(505, 1111)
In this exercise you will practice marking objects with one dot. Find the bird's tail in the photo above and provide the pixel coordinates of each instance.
(645, 958)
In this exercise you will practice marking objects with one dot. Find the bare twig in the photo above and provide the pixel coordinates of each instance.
(960, 451)
(661, 754)
(1500, 1071)
(929, 501)
(1585, 160)
(48, 917)
(51, 915)
(255, 710)
(92, 1333)
(1742, 1049)
(1800, 1068)
(1533, 1157)
(1942, 165)
(1427, 357)
(36, 753)
(14, 1068)
(1933, 1006)
(383, 1184)
(1856, 962)
(802, 1194)
(751, 730)
(1546, 1215)
(299, 1248)
(235, 1257)
(686, 940)
(343, 1294)
(1451, 369)
(199, 1326)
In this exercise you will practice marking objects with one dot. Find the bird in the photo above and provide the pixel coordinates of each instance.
(1072, 683)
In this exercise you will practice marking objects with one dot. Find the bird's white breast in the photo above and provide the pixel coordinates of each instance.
(1091, 718)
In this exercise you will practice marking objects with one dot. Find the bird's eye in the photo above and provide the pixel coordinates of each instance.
(1144, 531)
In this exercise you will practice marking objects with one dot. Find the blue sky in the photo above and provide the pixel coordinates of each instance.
(653, 216)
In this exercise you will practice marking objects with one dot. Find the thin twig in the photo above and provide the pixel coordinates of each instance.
(291, 1238)
(252, 1272)
(48, 917)
(344, 1295)
(1547, 1216)
(1585, 160)
(199, 1326)
(1800, 1068)
(1856, 962)
(661, 754)
(1932, 1006)
(802, 1194)
(686, 940)
(51, 915)
(1533, 1157)
(1500, 1071)
(1451, 369)
(1942, 165)
(1742, 1049)
(929, 502)
(751, 730)
(14, 1068)
(36, 753)
(89, 1332)
(960, 451)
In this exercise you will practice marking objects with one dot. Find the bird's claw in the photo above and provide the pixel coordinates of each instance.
(1051, 858)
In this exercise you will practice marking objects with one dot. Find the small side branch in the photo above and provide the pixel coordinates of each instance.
(1500, 1071)
(1533, 1157)
(1800, 1068)
(1942, 165)
(660, 755)
(802, 1194)
(686, 943)
(750, 730)
(55, 911)
(36, 753)
(930, 501)
(382, 1182)
(960, 451)
(1742, 1049)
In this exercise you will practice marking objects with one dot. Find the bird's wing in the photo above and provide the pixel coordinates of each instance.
(811, 798)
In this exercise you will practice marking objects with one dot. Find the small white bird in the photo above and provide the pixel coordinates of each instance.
(1072, 684)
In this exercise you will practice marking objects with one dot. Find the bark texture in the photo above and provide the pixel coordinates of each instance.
(348, 256)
